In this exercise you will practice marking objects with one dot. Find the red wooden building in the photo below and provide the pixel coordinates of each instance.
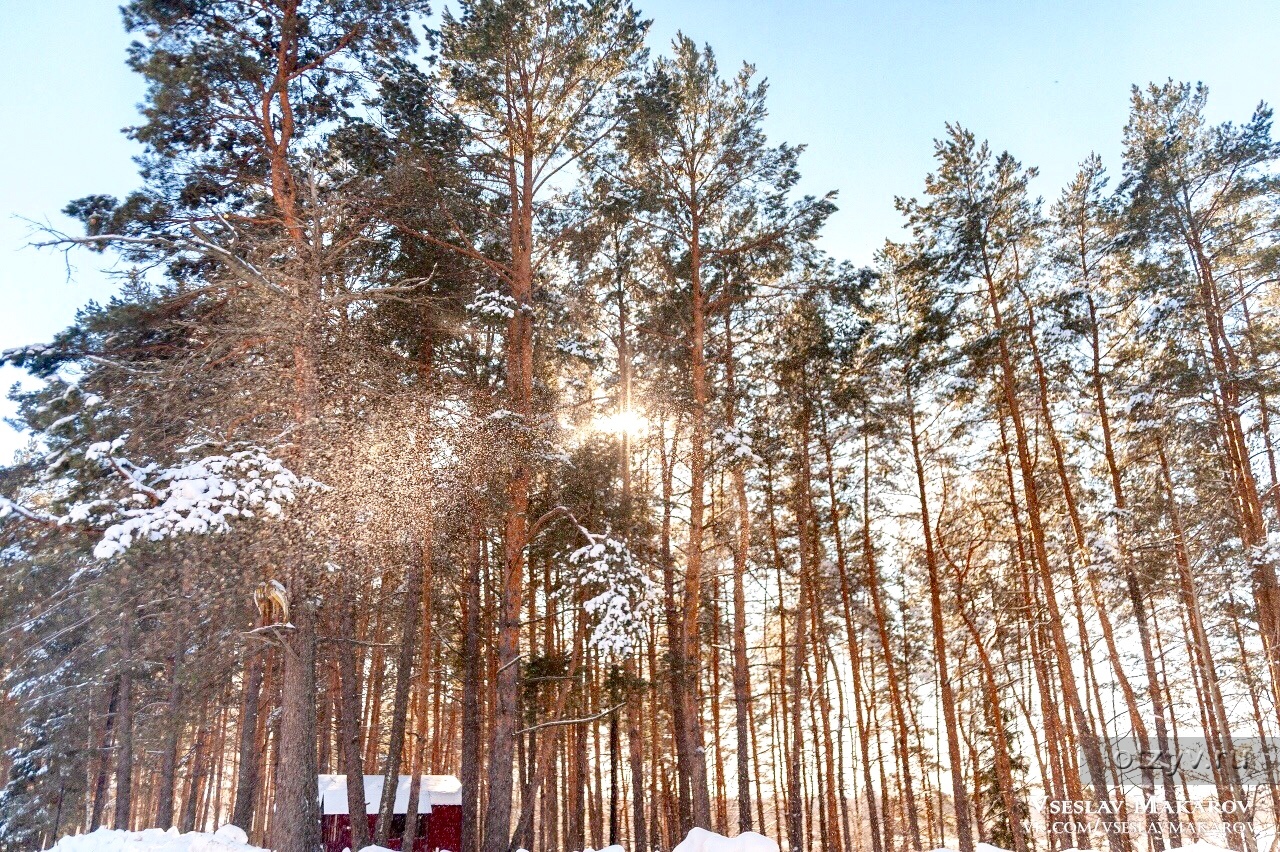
(439, 812)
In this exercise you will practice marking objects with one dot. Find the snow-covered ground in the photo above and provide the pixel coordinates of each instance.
(229, 838)
(701, 840)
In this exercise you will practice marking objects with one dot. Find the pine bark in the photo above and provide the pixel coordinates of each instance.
(349, 724)
(295, 824)
(249, 756)
(409, 651)
(469, 770)
(169, 753)
(124, 727)
(959, 793)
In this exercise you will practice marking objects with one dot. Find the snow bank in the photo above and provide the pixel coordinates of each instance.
(229, 838)
(701, 840)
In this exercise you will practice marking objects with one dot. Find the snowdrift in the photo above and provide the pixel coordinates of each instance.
(229, 838)
(701, 840)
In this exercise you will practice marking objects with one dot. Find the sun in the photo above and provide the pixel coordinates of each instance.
(631, 423)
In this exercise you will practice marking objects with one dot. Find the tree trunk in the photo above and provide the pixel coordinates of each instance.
(1064, 783)
(741, 549)
(1031, 493)
(515, 538)
(795, 671)
(471, 685)
(124, 726)
(250, 757)
(635, 747)
(295, 825)
(404, 681)
(349, 723)
(897, 701)
(675, 644)
(795, 812)
(1230, 788)
(855, 646)
(195, 778)
(104, 750)
(690, 669)
(960, 795)
(1120, 502)
(410, 836)
(173, 730)
(1004, 767)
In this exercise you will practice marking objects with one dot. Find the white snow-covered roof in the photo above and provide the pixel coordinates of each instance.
(436, 790)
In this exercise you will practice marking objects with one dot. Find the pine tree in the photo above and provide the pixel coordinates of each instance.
(696, 155)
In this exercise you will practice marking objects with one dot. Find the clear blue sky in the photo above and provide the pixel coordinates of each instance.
(866, 85)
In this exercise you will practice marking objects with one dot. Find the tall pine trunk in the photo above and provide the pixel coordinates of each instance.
(959, 793)
(169, 754)
(295, 824)
(249, 757)
(741, 548)
(124, 726)
(349, 724)
(1062, 652)
(469, 771)
(689, 733)
(409, 651)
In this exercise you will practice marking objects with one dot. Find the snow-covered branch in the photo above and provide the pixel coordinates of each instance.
(197, 497)
(619, 594)
(200, 497)
(9, 507)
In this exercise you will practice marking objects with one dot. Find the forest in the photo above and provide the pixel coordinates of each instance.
(477, 400)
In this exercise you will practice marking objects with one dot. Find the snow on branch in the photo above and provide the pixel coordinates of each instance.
(493, 306)
(152, 503)
(200, 497)
(620, 594)
(8, 507)
(735, 445)
(17, 355)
